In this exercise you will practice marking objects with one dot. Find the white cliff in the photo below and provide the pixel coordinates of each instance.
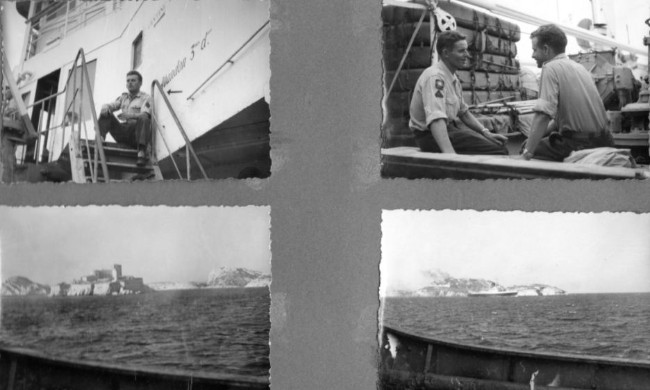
(19, 285)
(223, 277)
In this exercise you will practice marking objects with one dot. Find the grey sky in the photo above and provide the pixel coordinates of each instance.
(54, 244)
(578, 252)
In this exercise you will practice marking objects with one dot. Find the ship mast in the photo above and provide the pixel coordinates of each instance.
(598, 17)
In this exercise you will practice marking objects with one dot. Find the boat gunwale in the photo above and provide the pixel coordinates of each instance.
(134, 372)
(583, 359)
(505, 166)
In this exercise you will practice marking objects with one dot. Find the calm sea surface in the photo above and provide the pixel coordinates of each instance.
(213, 330)
(611, 325)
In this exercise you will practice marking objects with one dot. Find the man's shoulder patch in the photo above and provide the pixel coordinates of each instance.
(440, 84)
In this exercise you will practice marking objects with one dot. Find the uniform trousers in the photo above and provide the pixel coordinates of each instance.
(557, 147)
(463, 139)
(134, 132)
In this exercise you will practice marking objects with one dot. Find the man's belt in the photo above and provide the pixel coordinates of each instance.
(574, 135)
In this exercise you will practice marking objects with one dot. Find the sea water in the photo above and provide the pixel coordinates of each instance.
(605, 325)
(202, 330)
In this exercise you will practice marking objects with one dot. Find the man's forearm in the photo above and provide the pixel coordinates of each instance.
(539, 129)
(439, 132)
(471, 122)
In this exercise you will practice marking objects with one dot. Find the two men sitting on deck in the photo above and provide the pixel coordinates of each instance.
(441, 122)
(134, 125)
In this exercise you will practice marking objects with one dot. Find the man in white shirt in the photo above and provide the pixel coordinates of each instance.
(569, 96)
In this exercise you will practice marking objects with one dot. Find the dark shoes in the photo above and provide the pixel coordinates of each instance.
(142, 158)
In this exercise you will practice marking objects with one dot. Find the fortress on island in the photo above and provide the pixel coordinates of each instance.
(112, 282)
(101, 282)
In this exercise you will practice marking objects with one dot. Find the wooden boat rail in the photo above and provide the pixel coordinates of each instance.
(411, 163)
(414, 357)
(27, 369)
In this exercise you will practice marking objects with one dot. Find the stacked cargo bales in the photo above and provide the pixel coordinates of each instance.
(492, 72)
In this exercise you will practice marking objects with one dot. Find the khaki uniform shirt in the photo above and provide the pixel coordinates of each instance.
(131, 105)
(568, 94)
(437, 94)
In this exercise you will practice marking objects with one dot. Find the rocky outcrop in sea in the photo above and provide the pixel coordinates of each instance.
(224, 277)
(20, 285)
(536, 290)
(441, 284)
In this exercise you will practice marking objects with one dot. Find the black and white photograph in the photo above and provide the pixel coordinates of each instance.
(98, 91)
(515, 89)
(514, 300)
(135, 297)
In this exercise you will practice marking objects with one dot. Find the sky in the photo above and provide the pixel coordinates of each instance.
(50, 245)
(577, 252)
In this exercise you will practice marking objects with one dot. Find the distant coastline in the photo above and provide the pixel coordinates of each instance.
(112, 282)
(441, 284)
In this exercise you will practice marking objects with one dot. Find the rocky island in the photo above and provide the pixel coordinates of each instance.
(222, 277)
(441, 284)
(112, 282)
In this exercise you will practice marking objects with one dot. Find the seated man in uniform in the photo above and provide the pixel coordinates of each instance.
(440, 119)
(134, 125)
(567, 94)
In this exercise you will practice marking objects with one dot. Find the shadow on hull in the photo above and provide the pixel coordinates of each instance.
(237, 148)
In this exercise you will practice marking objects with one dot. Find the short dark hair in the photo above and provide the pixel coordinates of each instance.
(134, 72)
(447, 40)
(551, 35)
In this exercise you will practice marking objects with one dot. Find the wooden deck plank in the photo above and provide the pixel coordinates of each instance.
(411, 163)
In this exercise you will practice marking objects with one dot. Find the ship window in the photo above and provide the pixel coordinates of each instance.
(137, 51)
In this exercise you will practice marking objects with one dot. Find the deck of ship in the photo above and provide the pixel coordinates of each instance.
(411, 163)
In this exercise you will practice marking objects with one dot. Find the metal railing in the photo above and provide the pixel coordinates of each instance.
(74, 118)
(155, 85)
(231, 59)
(56, 21)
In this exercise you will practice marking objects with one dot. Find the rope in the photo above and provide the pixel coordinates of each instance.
(433, 34)
(472, 76)
(408, 49)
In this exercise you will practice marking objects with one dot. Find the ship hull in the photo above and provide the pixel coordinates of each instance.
(493, 294)
(211, 59)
